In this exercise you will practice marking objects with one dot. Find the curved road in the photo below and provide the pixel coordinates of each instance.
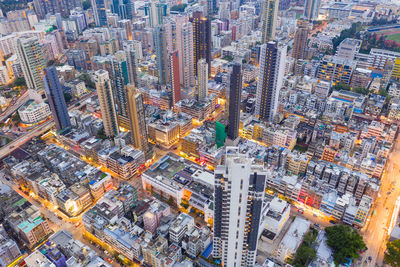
(21, 100)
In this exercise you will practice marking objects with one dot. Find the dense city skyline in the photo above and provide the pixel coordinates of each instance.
(206, 133)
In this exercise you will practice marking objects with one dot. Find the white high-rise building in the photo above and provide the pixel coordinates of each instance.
(202, 66)
(239, 196)
(30, 56)
(184, 40)
(270, 77)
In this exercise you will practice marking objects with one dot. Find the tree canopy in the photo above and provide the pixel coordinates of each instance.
(306, 252)
(67, 97)
(88, 81)
(101, 134)
(361, 90)
(341, 86)
(86, 4)
(392, 254)
(179, 8)
(352, 32)
(345, 242)
(20, 81)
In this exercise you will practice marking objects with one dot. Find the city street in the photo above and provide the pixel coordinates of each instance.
(375, 233)
(57, 220)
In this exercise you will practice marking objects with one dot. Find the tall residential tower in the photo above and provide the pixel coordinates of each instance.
(120, 80)
(202, 67)
(55, 95)
(270, 76)
(175, 79)
(300, 39)
(270, 12)
(184, 43)
(137, 121)
(30, 56)
(106, 99)
(201, 39)
(239, 194)
(161, 54)
(99, 12)
(311, 9)
(235, 93)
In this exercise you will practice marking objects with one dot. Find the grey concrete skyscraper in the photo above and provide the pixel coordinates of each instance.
(202, 78)
(235, 92)
(55, 95)
(239, 193)
(161, 54)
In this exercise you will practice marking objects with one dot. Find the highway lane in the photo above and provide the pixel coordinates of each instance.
(11, 109)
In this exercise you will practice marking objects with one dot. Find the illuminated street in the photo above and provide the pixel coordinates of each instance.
(376, 232)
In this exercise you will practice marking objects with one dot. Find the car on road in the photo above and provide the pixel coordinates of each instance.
(315, 215)
(77, 224)
(369, 258)
(109, 260)
(300, 211)
(332, 222)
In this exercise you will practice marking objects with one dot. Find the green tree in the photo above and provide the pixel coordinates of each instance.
(347, 33)
(383, 92)
(67, 97)
(361, 90)
(20, 81)
(392, 254)
(16, 118)
(341, 86)
(101, 134)
(179, 8)
(303, 256)
(50, 62)
(228, 58)
(86, 4)
(345, 243)
(88, 81)
(306, 251)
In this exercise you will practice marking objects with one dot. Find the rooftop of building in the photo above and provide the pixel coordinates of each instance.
(181, 221)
